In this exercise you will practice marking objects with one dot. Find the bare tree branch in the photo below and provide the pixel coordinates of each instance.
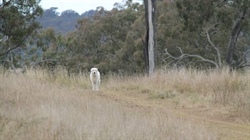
(4, 39)
(214, 46)
(243, 62)
(220, 2)
(183, 56)
(4, 3)
(9, 50)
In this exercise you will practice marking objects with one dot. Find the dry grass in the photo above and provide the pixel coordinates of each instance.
(188, 87)
(36, 106)
(40, 106)
(184, 87)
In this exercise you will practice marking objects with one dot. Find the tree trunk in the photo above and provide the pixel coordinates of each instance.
(237, 27)
(150, 37)
(145, 51)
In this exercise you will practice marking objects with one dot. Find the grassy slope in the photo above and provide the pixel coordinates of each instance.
(181, 104)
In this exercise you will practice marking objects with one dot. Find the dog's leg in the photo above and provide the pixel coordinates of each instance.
(97, 86)
(93, 85)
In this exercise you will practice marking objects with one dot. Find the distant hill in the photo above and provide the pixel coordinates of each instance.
(62, 22)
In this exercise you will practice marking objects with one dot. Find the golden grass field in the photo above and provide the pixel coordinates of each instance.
(173, 104)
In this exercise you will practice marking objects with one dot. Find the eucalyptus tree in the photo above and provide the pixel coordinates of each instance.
(52, 49)
(108, 40)
(17, 23)
(150, 9)
(214, 32)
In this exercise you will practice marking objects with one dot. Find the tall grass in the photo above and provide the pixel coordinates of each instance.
(230, 89)
(58, 109)
(212, 87)
(60, 76)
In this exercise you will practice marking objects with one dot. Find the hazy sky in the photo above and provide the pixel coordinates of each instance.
(80, 6)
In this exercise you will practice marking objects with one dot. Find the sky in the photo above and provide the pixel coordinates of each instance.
(80, 6)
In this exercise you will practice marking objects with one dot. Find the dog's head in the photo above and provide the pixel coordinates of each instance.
(94, 70)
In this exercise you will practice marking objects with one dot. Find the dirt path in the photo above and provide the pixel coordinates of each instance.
(225, 129)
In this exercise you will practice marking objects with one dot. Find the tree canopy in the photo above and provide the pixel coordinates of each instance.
(17, 23)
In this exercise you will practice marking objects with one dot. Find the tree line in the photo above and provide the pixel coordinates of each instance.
(63, 22)
(199, 34)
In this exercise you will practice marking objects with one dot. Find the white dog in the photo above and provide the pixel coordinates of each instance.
(95, 78)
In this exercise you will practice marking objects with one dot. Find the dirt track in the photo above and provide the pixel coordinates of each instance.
(224, 128)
